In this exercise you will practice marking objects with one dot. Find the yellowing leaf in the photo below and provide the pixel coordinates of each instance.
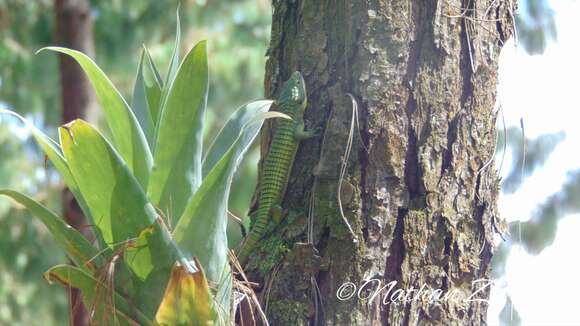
(186, 300)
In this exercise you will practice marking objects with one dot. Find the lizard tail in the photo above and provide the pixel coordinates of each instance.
(252, 240)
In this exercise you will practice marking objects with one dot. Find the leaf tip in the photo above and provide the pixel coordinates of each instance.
(48, 48)
(202, 45)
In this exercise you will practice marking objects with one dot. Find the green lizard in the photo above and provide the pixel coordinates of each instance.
(278, 163)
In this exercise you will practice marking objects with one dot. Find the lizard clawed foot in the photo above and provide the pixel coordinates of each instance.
(316, 132)
(307, 134)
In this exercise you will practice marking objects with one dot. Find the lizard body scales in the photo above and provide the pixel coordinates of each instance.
(280, 158)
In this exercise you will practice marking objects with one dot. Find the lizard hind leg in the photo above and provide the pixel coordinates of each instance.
(245, 223)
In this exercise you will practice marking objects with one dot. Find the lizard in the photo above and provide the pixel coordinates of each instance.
(279, 161)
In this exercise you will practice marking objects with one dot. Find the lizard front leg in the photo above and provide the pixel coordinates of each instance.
(301, 134)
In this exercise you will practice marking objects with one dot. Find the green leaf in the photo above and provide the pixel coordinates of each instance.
(177, 159)
(127, 135)
(126, 219)
(153, 86)
(140, 103)
(155, 76)
(174, 63)
(231, 131)
(118, 204)
(79, 249)
(147, 93)
(106, 306)
(201, 230)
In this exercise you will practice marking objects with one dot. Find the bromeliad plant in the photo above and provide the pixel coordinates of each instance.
(145, 268)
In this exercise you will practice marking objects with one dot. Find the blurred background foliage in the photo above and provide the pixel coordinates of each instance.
(238, 34)
(535, 25)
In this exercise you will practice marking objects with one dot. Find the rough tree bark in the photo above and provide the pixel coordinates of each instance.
(74, 29)
(418, 191)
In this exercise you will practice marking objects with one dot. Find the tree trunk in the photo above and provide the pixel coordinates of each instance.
(420, 188)
(74, 29)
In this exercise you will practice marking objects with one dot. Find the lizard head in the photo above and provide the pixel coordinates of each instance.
(294, 91)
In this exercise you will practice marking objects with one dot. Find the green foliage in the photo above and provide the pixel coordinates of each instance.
(128, 137)
(110, 179)
(147, 95)
(239, 31)
(179, 137)
(74, 244)
(52, 150)
(202, 221)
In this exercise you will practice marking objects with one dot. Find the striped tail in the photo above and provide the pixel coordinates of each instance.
(258, 228)
(255, 235)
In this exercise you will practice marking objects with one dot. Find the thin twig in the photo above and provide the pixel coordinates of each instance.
(248, 291)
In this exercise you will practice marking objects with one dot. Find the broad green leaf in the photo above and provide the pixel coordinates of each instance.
(79, 249)
(122, 212)
(128, 137)
(187, 300)
(177, 159)
(231, 131)
(54, 153)
(201, 230)
(106, 306)
(118, 204)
